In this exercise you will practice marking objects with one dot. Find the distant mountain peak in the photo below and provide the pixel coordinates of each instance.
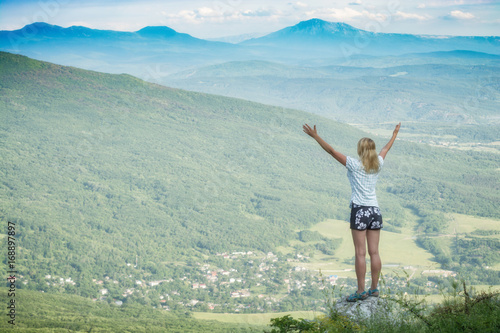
(318, 23)
(39, 27)
(157, 31)
(318, 27)
(314, 29)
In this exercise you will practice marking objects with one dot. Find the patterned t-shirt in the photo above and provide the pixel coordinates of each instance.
(362, 183)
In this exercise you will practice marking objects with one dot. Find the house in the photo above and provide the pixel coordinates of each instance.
(155, 283)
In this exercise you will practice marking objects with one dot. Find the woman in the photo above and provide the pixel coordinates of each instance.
(366, 220)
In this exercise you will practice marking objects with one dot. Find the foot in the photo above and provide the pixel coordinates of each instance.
(357, 296)
(373, 292)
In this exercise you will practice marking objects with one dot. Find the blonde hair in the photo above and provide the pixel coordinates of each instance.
(368, 155)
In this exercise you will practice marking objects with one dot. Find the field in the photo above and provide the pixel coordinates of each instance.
(420, 132)
(398, 250)
(467, 224)
(253, 318)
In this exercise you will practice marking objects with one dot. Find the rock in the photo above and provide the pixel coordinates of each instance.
(362, 310)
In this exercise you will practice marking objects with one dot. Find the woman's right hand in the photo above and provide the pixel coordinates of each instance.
(309, 131)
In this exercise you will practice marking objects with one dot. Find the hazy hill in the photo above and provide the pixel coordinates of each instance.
(448, 93)
(41, 32)
(98, 170)
(137, 53)
(456, 57)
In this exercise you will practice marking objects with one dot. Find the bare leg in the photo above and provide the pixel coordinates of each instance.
(359, 239)
(373, 237)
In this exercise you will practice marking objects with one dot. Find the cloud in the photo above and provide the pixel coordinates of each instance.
(355, 3)
(457, 14)
(259, 13)
(450, 3)
(346, 14)
(299, 4)
(411, 16)
(207, 12)
(220, 14)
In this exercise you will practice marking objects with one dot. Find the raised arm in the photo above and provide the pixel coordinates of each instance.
(388, 146)
(314, 134)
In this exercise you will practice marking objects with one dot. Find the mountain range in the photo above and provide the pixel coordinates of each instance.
(343, 40)
(167, 51)
(328, 68)
(114, 51)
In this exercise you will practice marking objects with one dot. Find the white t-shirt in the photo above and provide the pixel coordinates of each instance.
(362, 183)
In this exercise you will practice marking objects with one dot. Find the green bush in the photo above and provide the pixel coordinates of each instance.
(463, 311)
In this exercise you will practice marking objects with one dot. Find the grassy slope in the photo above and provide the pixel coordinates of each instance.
(252, 318)
(39, 312)
(98, 168)
(142, 169)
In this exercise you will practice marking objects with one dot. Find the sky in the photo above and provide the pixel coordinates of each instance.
(219, 18)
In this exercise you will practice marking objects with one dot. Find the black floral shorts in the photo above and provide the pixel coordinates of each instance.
(365, 217)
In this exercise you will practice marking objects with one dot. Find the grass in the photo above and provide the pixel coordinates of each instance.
(252, 318)
(463, 310)
(53, 312)
(466, 224)
(486, 288)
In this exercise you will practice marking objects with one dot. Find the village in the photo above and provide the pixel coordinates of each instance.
(238, 282)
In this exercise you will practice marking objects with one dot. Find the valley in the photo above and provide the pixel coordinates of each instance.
(186, 189)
